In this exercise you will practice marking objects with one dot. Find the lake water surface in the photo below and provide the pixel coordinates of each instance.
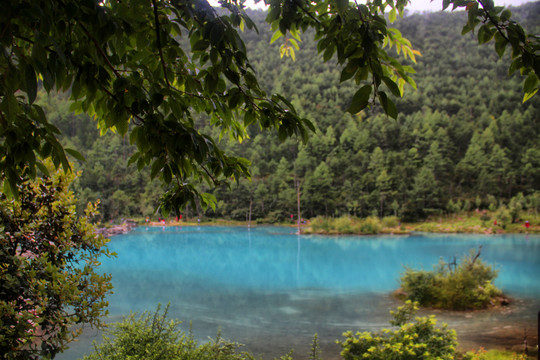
(271, 289)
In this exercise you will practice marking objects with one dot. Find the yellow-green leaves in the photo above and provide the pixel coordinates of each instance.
(485, 33)
(530, 87)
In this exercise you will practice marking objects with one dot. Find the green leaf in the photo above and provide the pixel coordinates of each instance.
(77, 155)
(42, 168)
(349, 71)
(208, 199)
(465, 29)
(167, 175)
(292, 54)
(516, 65)
(394, 89)
(156, 167)
(329, 52)
(31, 83)
(200, 45)
(388, 106)
(530, 87)
(392, 15)
(294, 43)
(485, 34)
(505, 15)
(500, 44)
(273, 14)
(276, 36)
(360, 99)
(529, 95)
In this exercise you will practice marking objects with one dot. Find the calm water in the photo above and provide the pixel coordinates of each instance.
(272, 290)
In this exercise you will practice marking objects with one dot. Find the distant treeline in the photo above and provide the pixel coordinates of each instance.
(463, 140)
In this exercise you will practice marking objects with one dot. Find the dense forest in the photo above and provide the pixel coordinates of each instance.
(462, 140)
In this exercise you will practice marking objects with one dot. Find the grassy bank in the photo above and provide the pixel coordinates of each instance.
(479, 222)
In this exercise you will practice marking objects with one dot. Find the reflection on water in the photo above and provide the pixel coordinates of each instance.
(272, 290)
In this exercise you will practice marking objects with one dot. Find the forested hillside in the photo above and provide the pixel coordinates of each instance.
(463, 140)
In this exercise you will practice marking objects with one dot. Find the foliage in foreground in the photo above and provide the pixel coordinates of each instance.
(417, 338)
(151, 336)
(48, 259)
(467, 285)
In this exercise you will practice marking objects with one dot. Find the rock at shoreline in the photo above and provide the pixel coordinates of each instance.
(124, 228)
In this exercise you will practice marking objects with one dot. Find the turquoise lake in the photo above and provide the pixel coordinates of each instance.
(271, 289)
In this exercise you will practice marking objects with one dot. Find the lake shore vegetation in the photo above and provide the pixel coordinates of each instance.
(149, 335)
(476, 222)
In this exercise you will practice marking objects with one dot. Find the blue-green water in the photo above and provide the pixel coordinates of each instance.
(272, 290)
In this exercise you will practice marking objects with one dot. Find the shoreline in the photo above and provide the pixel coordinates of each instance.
(405, 229)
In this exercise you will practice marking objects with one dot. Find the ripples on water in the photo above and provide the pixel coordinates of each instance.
(272, 290)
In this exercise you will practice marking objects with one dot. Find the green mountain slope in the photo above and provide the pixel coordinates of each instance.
(463, 137)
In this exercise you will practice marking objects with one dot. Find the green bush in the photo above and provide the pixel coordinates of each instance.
(343, 225)
(452, 286)
(153, 337)
(370, 226)
(320, 224)
(413, 339)
(346, 225)
(275, 217)
(49, 277)
(390, 221)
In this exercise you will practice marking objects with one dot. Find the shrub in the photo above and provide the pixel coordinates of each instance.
(320, 225)
(370, 226)
(419, 285)
(390, 221)
(464, 286)
(275, 217)
(153, 337)
(413, 339)
(346, 225)
(343, 225)
(49, 280)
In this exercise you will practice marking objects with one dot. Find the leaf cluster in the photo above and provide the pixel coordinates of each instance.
(124, 65)
(357, 35)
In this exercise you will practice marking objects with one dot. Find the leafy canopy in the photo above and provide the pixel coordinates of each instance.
(150, 68)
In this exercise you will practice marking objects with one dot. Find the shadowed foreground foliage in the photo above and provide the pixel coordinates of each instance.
(152, 336)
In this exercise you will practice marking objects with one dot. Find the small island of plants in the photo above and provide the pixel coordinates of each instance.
(463, 285)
